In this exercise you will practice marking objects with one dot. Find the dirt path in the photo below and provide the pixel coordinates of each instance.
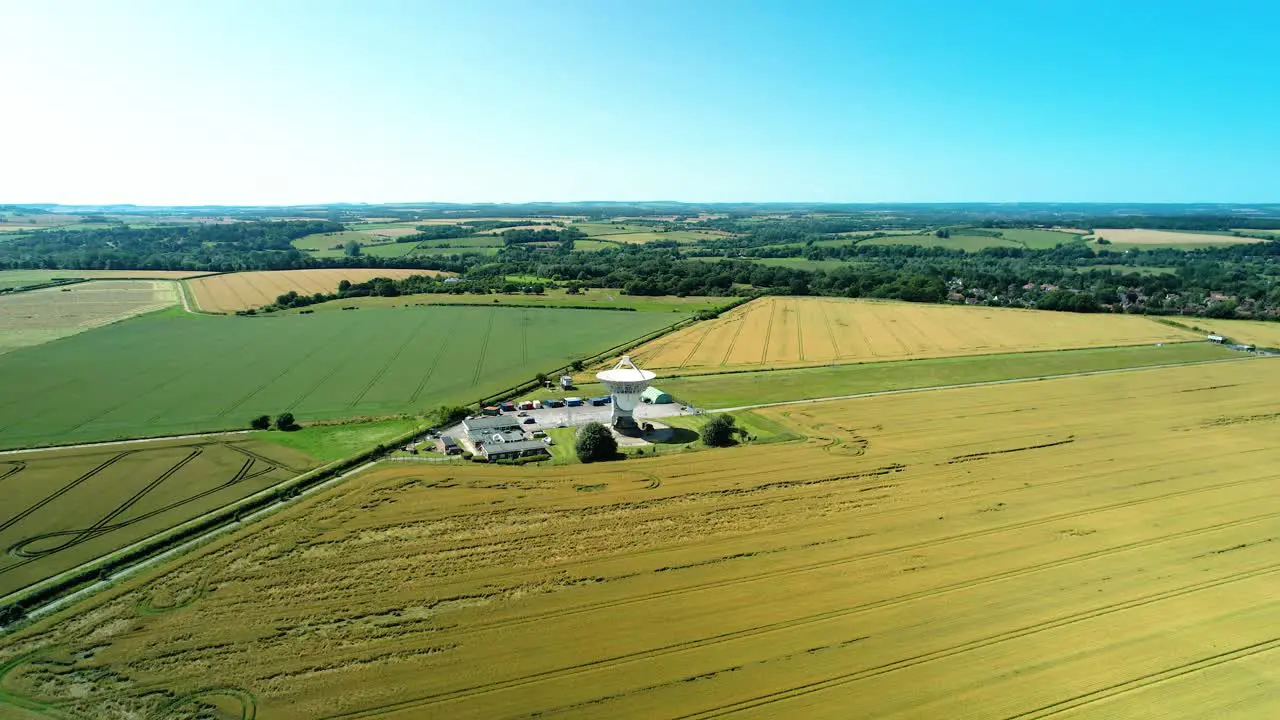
(109, 443)
(905, 391)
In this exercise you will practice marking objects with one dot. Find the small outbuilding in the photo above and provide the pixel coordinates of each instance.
(654, 396)
(513, 450)
(485, 425)
(1216, 339)
(448, 445)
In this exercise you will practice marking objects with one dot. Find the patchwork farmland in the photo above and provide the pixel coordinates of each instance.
(39, 316)
(242, 291)
(1096, 546)
(66, 507)
(161, 375)
(26, 278)
(1169, 238)
(793, 332)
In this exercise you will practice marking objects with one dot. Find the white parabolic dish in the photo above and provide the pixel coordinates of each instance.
(625, 372)
(625, 382)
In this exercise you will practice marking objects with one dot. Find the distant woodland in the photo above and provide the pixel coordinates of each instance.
(749, 254)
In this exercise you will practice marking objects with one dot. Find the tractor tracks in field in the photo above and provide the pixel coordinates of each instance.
(16, 466)
(292, 366)
(768, 332)
(484, 349)
(1017, 634)
(792, 623)
(104, 525)
(435, 361)
(1148, 680)
(64, 489)
(387, 365)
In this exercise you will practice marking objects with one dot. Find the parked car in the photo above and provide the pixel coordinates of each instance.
(528, 421)
(522, 414)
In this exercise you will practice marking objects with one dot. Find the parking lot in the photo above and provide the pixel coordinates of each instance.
(546, 418)
(575, 416)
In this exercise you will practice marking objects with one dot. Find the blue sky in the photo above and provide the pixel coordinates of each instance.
(300, 102)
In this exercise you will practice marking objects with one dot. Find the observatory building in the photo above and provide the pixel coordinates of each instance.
(626, 384)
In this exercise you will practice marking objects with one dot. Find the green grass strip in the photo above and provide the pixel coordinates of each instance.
(768, 386)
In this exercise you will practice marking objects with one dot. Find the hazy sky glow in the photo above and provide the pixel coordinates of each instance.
(303, 102)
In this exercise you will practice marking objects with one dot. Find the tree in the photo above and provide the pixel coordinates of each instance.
(541, 378)
(262, 422)
(595, 442)
(719, 431)
(942, 233)
(577, 365)
(352, 249)
(284, 421)
(447, 415)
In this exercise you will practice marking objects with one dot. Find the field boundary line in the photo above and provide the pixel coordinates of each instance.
(109, 443)
(985, 383)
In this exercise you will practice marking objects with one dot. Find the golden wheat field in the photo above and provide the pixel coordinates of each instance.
(244, 290)
(1251, 332)
(1087, 547)
(795, 332)
(1141, 236)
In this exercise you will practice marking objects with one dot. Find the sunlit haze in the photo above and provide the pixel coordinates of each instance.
(303, 102)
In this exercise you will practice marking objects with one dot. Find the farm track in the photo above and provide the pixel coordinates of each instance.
(794, 623)
(114, 443)
(1060, 622)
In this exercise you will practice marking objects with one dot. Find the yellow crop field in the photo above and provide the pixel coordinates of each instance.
(241, 291)
(1251, 332)
(1141, 236)
(40, 316)
(1087, 547)
(795, 332)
